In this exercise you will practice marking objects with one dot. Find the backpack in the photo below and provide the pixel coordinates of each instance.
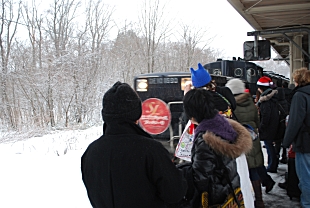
(283, 112)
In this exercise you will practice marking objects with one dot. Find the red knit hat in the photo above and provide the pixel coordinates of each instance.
(265, 81)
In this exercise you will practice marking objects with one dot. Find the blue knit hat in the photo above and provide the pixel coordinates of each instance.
(200, 77)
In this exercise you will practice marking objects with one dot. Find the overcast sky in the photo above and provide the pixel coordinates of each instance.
(221, 19)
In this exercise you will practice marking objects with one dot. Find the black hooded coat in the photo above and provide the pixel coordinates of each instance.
(125, 167)
(269, 115)
(298, 128)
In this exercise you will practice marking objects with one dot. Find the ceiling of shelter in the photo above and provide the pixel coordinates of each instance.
(276, 16)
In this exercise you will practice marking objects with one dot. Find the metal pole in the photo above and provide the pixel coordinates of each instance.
(256, 47)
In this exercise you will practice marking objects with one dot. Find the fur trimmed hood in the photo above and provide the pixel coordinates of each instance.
(241, 98)
(243, 143)
(267, 97)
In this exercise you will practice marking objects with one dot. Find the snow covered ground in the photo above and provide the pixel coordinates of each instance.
(45, 171)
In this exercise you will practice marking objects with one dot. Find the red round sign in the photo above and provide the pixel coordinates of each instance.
(156, 116)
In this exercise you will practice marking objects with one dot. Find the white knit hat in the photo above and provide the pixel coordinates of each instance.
(236, 86)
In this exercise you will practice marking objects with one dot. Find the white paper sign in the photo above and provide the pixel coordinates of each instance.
(184, 147)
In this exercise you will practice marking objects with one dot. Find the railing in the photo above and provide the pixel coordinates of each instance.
(173, 137)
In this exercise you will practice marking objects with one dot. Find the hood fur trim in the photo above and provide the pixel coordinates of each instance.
(242, 97)
(243, 143)
(268, 96)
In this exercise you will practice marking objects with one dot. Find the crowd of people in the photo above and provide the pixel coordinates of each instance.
(125, 167)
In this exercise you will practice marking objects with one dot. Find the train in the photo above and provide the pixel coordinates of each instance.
(168, 88)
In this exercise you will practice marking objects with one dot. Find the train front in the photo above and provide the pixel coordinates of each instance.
(162, 106)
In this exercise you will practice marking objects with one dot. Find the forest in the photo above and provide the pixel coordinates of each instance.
(55, 69)
(57, 61)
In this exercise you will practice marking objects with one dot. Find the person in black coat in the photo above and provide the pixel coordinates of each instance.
(269, 120)
(125, 167)
(287, 92)
(298, 132)
(224, 100)
(283, 108)
(218, 141)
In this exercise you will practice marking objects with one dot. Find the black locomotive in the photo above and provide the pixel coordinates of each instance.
(169, 86)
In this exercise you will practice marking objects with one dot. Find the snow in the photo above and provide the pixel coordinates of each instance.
(45, 171)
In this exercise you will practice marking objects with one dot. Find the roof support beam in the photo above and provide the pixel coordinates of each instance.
(283, 31)
(277, 8)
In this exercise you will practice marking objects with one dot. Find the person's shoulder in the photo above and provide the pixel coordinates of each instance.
(148, 141)
(222, 89)
(304, 90)
(95, 143)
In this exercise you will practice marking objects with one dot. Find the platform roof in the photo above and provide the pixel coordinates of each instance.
(278, 20)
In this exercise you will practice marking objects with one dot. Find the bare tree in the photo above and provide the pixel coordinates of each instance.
(8, 28)
(57, 76)
(126, 53)
(60, 29)
(195, 41)
(98, 18)
(155, 27)
(97, 27)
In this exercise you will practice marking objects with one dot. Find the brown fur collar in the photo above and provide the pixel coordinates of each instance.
(268, 96)
(242, 97)
(243, 143)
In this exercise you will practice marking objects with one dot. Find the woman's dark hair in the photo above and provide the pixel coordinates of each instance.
(210, 86)
(199, 104)
(263, 88)
(284, 84)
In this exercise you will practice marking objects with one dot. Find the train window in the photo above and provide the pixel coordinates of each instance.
(238, 72)
(251, 72)
(184, 82)
(217, 72)
(141, 85)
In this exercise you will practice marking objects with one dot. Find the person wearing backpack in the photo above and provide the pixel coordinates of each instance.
(282, 105)
(269, 120)
(247, 113)
(298, 131)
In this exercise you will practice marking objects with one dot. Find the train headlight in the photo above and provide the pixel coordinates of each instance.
(217, 72)
(184, 82)
(141, 85)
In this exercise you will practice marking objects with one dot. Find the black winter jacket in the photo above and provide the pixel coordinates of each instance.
(298, 128)
(125, 167)
(287, 93)
(209, 154)
(269, 115)
(226, 92)
(283, 109)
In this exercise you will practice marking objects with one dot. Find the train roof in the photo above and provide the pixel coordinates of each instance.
(234, 60)
(164, 74)
(272, 74)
